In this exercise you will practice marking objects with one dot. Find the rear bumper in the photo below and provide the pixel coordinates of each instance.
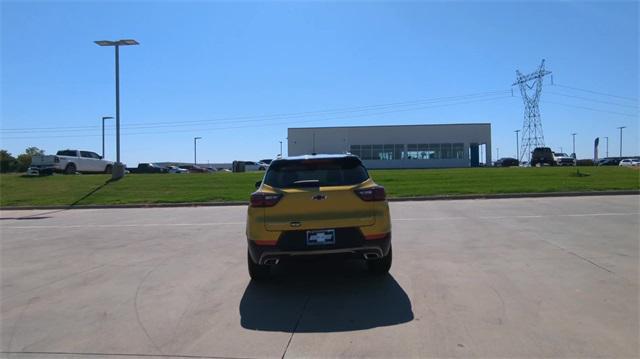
(286, 247)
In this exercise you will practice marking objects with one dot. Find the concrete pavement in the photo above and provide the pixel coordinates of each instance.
(543, 277)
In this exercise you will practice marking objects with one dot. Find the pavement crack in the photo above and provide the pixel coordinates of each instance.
(18, 320)
(135, 305)
(295, 327)
(590, 261)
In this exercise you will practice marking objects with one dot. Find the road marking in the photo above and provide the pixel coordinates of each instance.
(239, 223)
(126, 225)
(515, 217)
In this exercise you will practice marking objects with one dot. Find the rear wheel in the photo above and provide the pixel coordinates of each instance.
(382, 265)
(108, 169)
(70, 169)
(257, 271)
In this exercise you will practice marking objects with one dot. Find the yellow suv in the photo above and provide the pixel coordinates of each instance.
(317, 205)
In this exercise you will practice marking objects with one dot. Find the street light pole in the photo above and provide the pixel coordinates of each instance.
(118, 168)
(620, 128)
(517, 146)
(104, 118)
(498, 153)
(574, 144)
(607, 138)
(195, 150)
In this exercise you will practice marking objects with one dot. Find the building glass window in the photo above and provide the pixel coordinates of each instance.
(412, 152)
(434, 151)
(365, 151)
(445, 149)
(397, 152)
(386, 152)
(458, 151)
(377, 152)
(355, 150)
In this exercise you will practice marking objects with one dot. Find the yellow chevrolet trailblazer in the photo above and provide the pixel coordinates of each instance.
(318, 205)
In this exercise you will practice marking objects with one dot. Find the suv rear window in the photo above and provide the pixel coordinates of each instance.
(327, 171)
(67, 153)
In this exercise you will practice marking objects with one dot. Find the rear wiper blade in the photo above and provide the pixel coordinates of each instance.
(306, 183)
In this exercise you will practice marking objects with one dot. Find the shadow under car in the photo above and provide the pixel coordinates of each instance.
(323, 295)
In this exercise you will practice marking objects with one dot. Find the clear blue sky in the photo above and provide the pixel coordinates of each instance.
(213, 62)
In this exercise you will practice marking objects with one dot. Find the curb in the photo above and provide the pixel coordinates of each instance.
(397, 199)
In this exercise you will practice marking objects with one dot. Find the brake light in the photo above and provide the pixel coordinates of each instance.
(261, 199)
(372, 194)
(56, 159)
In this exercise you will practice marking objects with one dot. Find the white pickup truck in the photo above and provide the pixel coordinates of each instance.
(69, 162)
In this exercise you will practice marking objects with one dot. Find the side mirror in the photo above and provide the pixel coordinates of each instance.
(258, 184)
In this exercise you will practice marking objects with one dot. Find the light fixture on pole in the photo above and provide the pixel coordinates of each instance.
(195, 150)
(517, 146)
(104, 118)
(574, 144)
(620, 128)
(118, 168)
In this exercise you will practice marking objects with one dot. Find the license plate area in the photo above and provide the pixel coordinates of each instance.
(322, 237)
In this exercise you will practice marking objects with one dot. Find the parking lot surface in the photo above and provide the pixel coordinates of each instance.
(544, 277)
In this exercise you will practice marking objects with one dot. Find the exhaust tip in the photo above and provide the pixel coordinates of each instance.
(371, 256)
(271, 261)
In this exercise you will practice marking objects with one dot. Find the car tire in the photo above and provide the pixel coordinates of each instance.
(108, 169)
(257, 271)
(380, 266)
(70, 169)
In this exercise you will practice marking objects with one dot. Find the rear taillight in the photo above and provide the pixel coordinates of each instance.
(56, 159)
(261, 199)
(372, 194)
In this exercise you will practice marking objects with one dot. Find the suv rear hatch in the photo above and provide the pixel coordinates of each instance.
(318, 194)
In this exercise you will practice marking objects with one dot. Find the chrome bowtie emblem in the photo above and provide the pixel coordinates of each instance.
(319, 197)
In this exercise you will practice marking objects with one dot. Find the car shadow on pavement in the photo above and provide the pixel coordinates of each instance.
(324, 296)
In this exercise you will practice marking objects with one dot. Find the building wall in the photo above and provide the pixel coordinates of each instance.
(330, 140)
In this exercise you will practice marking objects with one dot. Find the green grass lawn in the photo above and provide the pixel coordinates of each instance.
(16, 190)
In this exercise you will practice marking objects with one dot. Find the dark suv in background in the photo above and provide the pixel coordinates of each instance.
(542, 156)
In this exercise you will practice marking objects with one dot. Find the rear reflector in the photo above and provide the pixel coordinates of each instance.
(373, 237)
(372, 194)
(266, 243)
(261, 199)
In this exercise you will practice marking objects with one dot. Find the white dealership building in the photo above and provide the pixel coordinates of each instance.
(399, 146)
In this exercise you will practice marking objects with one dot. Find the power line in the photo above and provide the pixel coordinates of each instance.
(271, 124)
(594, 100)
(257, 118)
(597, 92)
(590, 109)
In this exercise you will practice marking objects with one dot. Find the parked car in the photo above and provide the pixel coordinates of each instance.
(609, 162)
(629, 162)
(195, 169)
(317, 205)
(266, 161)
(254, 166)
(69, 162)
(176, 169)
(507, 162)
(562, 159)
(542, 156)
(148, 168)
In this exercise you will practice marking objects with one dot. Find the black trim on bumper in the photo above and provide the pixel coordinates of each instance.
(293, 243)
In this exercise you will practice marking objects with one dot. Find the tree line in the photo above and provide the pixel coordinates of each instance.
(8, 163)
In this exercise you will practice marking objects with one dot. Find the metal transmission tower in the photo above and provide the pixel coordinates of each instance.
(532, 135)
